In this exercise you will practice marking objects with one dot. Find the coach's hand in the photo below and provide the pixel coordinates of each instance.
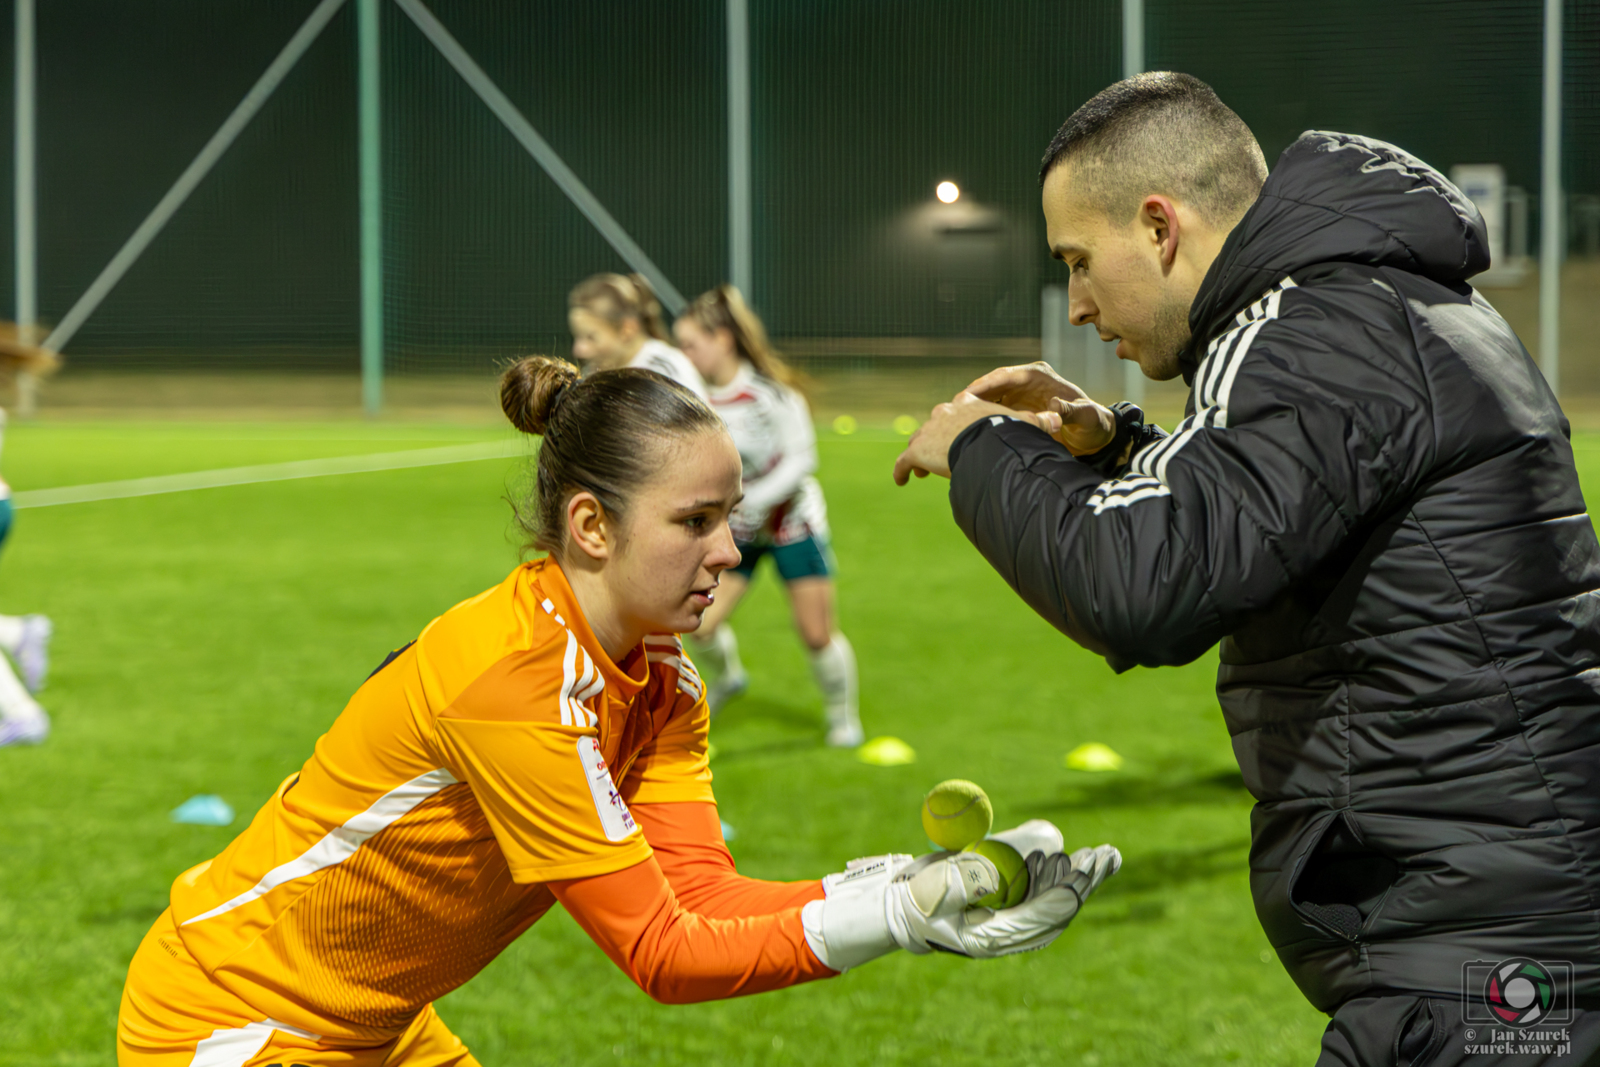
(1086, 426)
(928, 451)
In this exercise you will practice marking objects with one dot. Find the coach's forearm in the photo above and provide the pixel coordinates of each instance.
(982, 471)
(1120, 581)
(680, 957)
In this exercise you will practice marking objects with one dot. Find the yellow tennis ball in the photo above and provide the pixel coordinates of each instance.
(956, 813)
(1013, 874)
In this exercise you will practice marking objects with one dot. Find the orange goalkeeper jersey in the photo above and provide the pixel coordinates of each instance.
(498, 752)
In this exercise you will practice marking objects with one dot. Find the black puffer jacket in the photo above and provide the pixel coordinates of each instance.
(1372, 504)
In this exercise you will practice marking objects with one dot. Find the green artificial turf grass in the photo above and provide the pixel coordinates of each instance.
(205, 639)
(41, 455)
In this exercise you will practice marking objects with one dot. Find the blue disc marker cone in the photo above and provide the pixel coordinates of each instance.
(203, 810)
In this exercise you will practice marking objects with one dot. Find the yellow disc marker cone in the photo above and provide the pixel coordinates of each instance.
(886, 752)
(1093, 757)
(845, 425)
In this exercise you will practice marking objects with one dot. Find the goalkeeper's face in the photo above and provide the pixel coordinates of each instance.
(671, 548)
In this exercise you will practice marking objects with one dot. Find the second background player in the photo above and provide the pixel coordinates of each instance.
(783, 513)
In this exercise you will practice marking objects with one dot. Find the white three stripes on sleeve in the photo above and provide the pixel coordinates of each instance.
(667, 649)
(1147, 474)
(577, 685)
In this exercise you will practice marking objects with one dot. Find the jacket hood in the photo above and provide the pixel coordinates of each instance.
(1337, 197)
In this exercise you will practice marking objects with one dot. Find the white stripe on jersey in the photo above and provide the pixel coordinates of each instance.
(340, 843)
(574, 689)
(668, 649)
(234, 1047)
(1147, 474)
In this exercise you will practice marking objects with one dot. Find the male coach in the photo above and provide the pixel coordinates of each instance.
(1372, 504)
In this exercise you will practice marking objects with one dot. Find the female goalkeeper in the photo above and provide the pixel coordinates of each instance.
(543, 741)
(616, 322)
(782, 514)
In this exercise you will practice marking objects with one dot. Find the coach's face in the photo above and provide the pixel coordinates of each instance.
(1126, 279)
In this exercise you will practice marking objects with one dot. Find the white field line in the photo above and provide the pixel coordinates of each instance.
(267, 472)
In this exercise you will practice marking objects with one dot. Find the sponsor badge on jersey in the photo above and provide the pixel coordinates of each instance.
(615, 818)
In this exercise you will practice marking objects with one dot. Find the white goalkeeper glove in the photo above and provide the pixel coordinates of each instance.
(865, 874)
(1058, 885)
(881, 903)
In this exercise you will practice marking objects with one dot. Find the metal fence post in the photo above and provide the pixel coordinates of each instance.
(368, 48)
(1551, 244)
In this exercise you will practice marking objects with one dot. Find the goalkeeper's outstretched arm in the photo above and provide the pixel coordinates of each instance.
(704, 932)
(687, 841)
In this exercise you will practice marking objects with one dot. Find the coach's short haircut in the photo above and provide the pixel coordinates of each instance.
(1160, 133)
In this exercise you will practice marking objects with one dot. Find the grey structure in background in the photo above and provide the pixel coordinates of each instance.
(192, 176)
(1078, 355)
(855, 112)
(1552, 250)
(741, 194)
(1132, 63)
(370, 103)
(26, 174)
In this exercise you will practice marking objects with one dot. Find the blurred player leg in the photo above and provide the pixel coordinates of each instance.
(714, 643)
(833, 661)
(26, 639)
(834, 668)
(732, 680)
(22, 720)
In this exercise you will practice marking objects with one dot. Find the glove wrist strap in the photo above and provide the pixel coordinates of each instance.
(847, 930)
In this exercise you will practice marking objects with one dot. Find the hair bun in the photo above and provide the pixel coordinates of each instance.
(530, 389)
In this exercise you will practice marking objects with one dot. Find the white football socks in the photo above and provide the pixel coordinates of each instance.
(721, 651)
(16, 705)
(11, 633)
(834, 668)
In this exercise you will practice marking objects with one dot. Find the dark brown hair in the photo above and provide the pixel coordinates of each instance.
(1163, 133)
(723, 308)
(618, 298)
(601, 435)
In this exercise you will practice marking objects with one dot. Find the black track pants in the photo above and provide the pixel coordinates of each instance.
(1410, 1031)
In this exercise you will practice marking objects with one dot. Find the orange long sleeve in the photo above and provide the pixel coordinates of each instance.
(687, 841)
(678, 956)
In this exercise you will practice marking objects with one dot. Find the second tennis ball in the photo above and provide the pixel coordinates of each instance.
(956, 813)
(1013, 874)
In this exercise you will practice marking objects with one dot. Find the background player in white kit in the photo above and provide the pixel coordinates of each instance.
(782, 514)
(25, 638)
(616, 322)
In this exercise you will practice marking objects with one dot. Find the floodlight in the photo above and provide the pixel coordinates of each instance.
(948, 192)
